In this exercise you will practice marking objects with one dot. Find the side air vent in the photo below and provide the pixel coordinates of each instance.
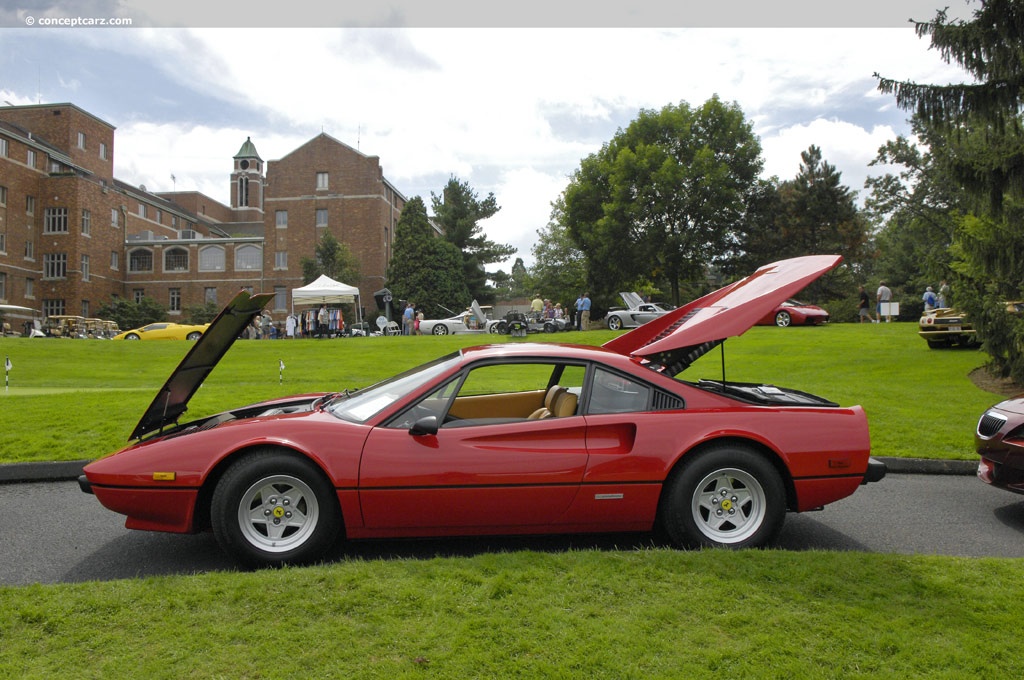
(990, 423)
(666, 402)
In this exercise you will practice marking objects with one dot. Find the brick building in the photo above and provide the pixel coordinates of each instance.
(72, 235)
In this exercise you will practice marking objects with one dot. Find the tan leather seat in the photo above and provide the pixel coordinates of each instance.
(565, 405)
(549, 401)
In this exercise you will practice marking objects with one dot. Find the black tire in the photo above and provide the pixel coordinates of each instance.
(549, 327)
(501, 328)
(193, 336)
(303, 519)
(440, 329)
(938, 344)
(614, 323)
(783, 319)
(726, 496)
(132, 336)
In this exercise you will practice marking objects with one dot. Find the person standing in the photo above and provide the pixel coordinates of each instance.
(929, 299)
(537, 306)
(883, 296)
(321, 321)
(579, 311)
(942, 299)
(585, 312)
(864, 308)
(407, 318)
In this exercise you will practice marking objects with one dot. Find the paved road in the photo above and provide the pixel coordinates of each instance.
(52, 532)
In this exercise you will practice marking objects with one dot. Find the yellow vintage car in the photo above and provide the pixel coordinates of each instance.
(164, 330)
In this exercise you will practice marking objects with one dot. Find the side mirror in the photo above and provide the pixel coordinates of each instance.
(423, 426)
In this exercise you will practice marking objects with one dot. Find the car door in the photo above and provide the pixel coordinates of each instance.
(489, 467)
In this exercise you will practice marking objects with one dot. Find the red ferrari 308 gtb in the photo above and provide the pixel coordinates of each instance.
(511, 438)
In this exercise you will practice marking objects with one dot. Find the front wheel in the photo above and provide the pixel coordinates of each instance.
(272, 508)
(783, 319)
(614, 323)
(727, 496)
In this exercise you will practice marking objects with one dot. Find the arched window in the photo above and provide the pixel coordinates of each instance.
(248, 257)
(140, 260)
(211, 259)
(176, 260)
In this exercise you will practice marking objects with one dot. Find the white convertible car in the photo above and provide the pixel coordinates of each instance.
(637, 313)
(476, 319)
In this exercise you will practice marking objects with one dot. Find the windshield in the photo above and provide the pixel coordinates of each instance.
(370, 401)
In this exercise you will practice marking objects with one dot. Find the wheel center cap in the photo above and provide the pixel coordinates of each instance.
(726, 504)
(279, 512)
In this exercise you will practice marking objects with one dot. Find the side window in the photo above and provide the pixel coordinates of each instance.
(616, 393)
(434, 404)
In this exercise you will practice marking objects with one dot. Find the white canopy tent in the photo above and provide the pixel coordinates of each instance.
(327, 291)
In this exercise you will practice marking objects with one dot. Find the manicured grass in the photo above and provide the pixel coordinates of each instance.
(649, 613)
(72, 400)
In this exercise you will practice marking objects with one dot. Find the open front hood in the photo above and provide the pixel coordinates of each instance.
(677, 339)
(172, 399)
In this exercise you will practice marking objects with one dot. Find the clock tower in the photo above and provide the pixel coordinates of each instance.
(247, 182)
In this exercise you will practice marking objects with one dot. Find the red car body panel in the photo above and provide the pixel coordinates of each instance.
(593, 470)
(999, 440)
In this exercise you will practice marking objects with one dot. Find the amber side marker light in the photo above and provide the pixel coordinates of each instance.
(164, 476)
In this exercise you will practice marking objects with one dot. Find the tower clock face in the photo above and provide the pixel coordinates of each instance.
(244, 165)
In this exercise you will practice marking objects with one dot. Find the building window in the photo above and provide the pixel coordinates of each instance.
(248, 257)
(3, 242)
(30, 158)
(85, 267)
(280, 297)
(55, 221)
(174, 221)
(55, 265)
(3, 286)
(176, 260)
(142, 209)
(211, 259)
(159, 216)
(281, 259)
(103, 151)
(138, 294)
(86, 222)
(30, 249)
(243, 192)
(321, 180)
(30, 288)
(30, 205)
(85, 308)
(281, 219)
(113, 217)
(3, 197)
(210, 295)
(81, 140)
(140, 260)
(174, 300)
(3, 148)
(321, 217)
(115, 260)
(53, 307)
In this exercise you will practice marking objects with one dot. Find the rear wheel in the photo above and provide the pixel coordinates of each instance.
(440, 329)
(727, 496)
(193, 336)
(272, 508)
(783, 319)
(131, 336)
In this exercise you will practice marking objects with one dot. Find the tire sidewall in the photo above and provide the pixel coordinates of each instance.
(245, 472)
(677, 519)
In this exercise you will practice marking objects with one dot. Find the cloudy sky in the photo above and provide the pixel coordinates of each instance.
(509, 104)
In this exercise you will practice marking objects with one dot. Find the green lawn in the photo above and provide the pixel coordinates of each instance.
(595, 613)
(71, 400)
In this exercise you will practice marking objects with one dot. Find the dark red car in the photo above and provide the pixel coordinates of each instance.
(794, 313)
(999, 440)
(513, 438)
